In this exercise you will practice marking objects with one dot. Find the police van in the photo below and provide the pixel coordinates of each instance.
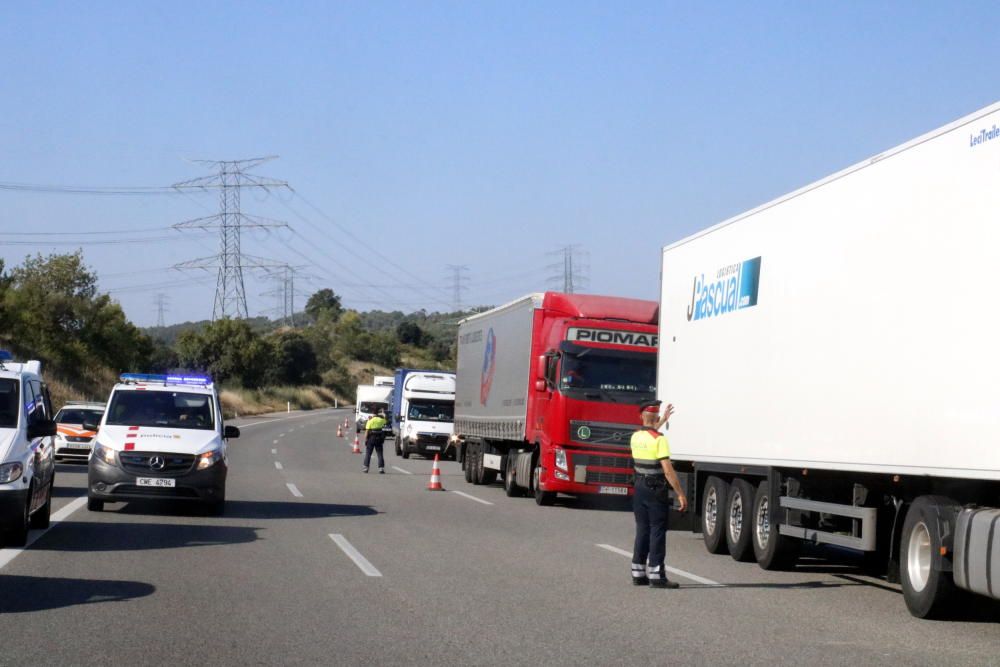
(27, 461)
(161, 436)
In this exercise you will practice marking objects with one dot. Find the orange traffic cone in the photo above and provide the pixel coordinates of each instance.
(435, 483)
(345, 422)
(357, 446)
(340, 433)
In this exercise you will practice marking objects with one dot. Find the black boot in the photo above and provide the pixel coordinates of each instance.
(639, 577)
(658, 578)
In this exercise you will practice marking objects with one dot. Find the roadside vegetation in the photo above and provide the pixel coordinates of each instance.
(51, 309)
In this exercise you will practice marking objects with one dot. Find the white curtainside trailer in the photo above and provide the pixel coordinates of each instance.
(834, 361)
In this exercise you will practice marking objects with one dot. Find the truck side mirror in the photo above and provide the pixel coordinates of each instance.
(541, 365)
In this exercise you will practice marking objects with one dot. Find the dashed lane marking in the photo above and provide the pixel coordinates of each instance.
(274, 451)
(7, 555)
(672, 570)
(363, 563)
(466, 495)
(405, 472)
(275, 442)
(295, 490)
(277, 464)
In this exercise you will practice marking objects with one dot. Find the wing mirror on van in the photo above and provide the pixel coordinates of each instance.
(91, 426)
(41, 429)
(230, 432)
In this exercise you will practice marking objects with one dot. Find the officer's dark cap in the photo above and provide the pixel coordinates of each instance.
(650, 404)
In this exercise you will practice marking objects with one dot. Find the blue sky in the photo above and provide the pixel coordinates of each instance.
(478, 133)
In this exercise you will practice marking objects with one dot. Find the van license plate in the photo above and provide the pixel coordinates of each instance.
(156, 481)
(433, 448)
(614, 490)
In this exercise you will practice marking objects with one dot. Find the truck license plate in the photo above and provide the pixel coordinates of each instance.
(614, 490)
(156, 481)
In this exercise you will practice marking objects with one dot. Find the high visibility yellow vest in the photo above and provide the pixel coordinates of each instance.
(648, 450)
(374, 424)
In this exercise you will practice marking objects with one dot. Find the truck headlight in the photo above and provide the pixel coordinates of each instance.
(10, 472)
(561, 458)
(104, 454)
(209, 459)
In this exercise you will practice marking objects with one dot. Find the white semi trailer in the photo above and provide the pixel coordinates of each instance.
(834, 359)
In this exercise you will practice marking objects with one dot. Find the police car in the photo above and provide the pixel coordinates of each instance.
(162, 436)
(73, 441)
(27, 463)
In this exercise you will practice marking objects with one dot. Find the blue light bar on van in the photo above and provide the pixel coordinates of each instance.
(6, 356)
(192, 380)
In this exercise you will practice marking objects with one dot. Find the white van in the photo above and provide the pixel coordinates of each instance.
(162, 436)
(27, 450)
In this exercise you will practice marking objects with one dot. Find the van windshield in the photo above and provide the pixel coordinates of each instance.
(372, 407)
(9, 408)
(165, 409)
(431, 411)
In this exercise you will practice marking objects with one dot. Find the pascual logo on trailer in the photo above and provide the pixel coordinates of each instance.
(489, 367)
(733, 287)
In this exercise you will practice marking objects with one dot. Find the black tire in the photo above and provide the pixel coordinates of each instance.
(510, 486)
(405, 450)
(16, 533)
(739, 520)
(399, 452)
(715, 500)
(542, 498)
(95, 504)
(921, 539)
(476, 461)
(772, 550)
(40, 519)
(467, 466)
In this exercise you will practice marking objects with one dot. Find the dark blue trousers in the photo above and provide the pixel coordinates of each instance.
(651, 516)
(374, 441)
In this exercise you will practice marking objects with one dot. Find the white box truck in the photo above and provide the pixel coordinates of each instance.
(834, 362)
(423, 409)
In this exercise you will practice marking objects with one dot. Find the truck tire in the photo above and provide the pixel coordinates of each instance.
(467, 466)
(476, 459)
(405, 449)
(713, 514)
(542, 498)
(926, 591)
(510, 486)
(772, 550)
(739, 520)
(396, 443)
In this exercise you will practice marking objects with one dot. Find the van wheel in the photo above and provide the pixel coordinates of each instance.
(95, 504)
(40, 519)
(926, 590)
(739, 520)
(16, 534)
(772, 550)
(713, 514)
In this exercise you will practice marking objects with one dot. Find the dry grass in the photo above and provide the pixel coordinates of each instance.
(247, 402)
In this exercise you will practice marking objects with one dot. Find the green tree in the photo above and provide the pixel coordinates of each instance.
(324, 304)
(228, 350)
(293, 361)
(409, 332)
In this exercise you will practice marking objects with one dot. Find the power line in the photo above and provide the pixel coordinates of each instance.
(458, 273)
(230, 178)
(571, 269)
(161, 302)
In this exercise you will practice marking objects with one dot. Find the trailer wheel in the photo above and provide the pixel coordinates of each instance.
(772, 550)
(477, 465)
(541, 497)
(739, 520)
(926, 590)
(713, 514)
(467, 464)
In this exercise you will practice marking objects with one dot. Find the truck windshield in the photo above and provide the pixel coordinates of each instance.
(431, 411)
(165, 409)
(9, 408)
(372, 407)
(607, 375)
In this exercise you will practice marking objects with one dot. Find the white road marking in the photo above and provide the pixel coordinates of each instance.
(275, 442)
(405, 472)
(277, 464)
(363, 563)
(274, 451)
(281, 435)
(7, 555)
(271, 421)
(478, 500)
(295, 490)
(672, 570)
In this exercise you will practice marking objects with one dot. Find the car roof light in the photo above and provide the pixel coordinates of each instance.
(5, 355)
(158, 378)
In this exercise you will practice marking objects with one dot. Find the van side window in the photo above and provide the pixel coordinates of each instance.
(33, 409)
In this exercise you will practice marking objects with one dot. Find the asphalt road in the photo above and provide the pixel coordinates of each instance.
(316, 563)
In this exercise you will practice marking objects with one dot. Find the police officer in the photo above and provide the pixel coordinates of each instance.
(374, 438)
(651, 502)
